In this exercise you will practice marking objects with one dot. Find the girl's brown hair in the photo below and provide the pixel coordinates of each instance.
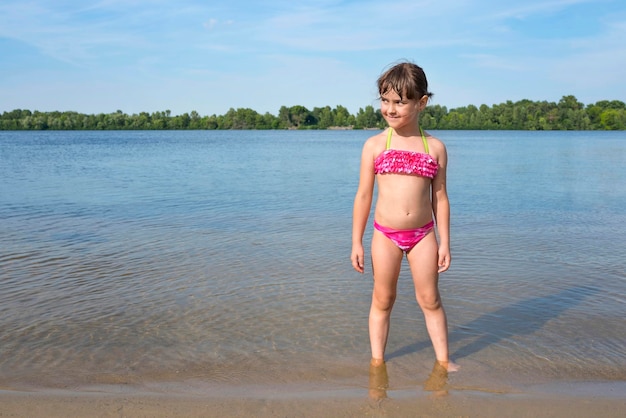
(406, 79)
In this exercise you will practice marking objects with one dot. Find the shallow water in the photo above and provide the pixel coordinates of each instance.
(222, 258)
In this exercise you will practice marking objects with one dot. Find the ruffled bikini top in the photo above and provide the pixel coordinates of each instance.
(394, 161)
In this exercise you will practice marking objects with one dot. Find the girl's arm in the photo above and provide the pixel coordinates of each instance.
(441, 210)
(362, 207)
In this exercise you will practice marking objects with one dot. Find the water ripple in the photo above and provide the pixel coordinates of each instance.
(154, 258)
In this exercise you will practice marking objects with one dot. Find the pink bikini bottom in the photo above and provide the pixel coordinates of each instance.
(405, 239)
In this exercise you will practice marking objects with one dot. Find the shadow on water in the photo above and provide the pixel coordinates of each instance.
(521, 318)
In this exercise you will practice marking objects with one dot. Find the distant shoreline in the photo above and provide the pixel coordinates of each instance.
(567, 114)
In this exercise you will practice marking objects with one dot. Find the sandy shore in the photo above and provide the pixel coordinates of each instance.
(595, 400)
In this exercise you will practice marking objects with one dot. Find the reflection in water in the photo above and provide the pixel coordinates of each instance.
(437, 381)
(378, 382)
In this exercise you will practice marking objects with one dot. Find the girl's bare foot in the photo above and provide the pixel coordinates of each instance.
(449, 365)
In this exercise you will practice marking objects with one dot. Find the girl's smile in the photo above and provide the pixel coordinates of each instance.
(399, 111)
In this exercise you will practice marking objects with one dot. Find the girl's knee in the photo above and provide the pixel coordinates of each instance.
(383, 302)
(429, 303)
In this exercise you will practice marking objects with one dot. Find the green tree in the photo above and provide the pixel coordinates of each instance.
(368, 118)
(342, 117)
(324, 116)
(297, 117)
(613, 119)
(568, 113)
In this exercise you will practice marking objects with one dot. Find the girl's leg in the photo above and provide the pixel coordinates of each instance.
(386, 262)
(423, 263)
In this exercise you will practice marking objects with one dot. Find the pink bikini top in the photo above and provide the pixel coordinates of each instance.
(394, 161)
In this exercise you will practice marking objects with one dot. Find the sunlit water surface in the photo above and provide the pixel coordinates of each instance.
(222, 258)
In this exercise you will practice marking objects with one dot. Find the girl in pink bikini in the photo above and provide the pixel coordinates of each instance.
(409, 167)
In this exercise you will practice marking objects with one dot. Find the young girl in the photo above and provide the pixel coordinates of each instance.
(409, 166)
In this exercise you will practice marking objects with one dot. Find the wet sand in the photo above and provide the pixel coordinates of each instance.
(596, 400)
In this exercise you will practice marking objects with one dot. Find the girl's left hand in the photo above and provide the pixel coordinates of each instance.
(444, 260)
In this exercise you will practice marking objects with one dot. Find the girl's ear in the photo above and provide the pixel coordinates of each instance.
(423, 102)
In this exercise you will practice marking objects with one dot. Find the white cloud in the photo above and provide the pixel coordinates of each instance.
(210, 24)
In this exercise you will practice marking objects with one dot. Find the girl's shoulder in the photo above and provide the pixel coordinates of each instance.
(375, 142)
(380, 136)
(437, 149)
(434, 143)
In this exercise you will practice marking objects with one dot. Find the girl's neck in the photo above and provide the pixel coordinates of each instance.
(408, 130)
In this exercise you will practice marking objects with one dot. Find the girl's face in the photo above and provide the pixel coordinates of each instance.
(399, 112)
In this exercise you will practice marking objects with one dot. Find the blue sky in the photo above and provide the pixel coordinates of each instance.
(210, 56)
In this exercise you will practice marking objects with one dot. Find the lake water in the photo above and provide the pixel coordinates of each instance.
(220, 261)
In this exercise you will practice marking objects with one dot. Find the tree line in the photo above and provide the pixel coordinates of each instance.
(567, 114)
